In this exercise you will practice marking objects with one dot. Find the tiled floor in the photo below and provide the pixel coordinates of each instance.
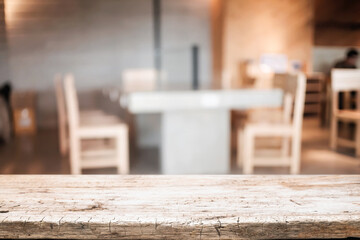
(39, 155)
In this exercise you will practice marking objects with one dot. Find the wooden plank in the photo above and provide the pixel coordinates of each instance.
(346, 142)
(312, 108)
(313, 87)
(313, 98)
(179, 207)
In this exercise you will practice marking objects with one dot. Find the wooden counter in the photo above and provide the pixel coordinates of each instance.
(179, 207)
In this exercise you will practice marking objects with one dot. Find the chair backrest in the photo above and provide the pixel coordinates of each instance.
(61, 110)
(246, 79)
(72, 105)
(264, 78)
(134, 80)
(256, 75)
(343, 80)
(294, 86)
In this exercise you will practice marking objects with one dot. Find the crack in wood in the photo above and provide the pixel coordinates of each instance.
(4, 219)
(110, 224)
(89, 224)
(76, 220)
(97, 206)
(295, 202)
(43, 211)
(41, 221)
(60, 223)
(218, 228)
(202, 227)
(140, 226)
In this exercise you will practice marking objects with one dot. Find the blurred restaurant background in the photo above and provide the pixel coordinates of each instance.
(179, 87)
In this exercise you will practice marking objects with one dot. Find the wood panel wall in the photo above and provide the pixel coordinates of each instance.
(217, 33)
(337, 23)
(4, 67)
(252, 28)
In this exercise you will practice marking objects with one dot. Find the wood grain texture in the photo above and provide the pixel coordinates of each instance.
(337, 23)
(253, 28)
(217, 33)
(179, 207)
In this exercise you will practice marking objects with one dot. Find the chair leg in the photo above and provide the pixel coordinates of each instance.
(62, 143)
(357, 139)
(63, 139)
(75, 164)
(248, 152)
(285, 147)
(333, 133)
(295, 156)
(240, 146)
(122, 146)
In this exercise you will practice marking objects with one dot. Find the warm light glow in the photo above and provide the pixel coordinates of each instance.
(11, 6)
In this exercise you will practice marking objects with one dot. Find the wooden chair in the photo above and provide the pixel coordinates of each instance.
(61, 112)
(345, 80)
(255, 75)
(288, 129)
(138, 80)
(135, 80)
(85, 116)
(80, 158)
(259, 76)
(262, 74)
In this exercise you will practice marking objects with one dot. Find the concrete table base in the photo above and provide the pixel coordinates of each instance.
(196, 124)
(195, 142)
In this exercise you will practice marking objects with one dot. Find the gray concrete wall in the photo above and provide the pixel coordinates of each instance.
(93, 39)
(96, 40)
(186, 23)
(325, 57)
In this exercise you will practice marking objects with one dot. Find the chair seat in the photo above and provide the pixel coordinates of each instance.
(92, 112)
(269, 129)
(284, 127)
(348, 114)
(98, 162)
(101, 130)
(98, 152)
(97, 140)
(103, 119)
(258, 116)
(265, 115)
(92, 115)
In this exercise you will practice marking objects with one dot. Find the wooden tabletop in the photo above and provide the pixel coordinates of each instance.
(179, 207)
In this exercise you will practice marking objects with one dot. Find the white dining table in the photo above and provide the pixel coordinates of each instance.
(195, 125)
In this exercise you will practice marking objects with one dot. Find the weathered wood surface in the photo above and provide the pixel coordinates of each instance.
(179, 207)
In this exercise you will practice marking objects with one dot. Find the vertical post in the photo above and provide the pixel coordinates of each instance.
(195, 67)
(157, 38)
